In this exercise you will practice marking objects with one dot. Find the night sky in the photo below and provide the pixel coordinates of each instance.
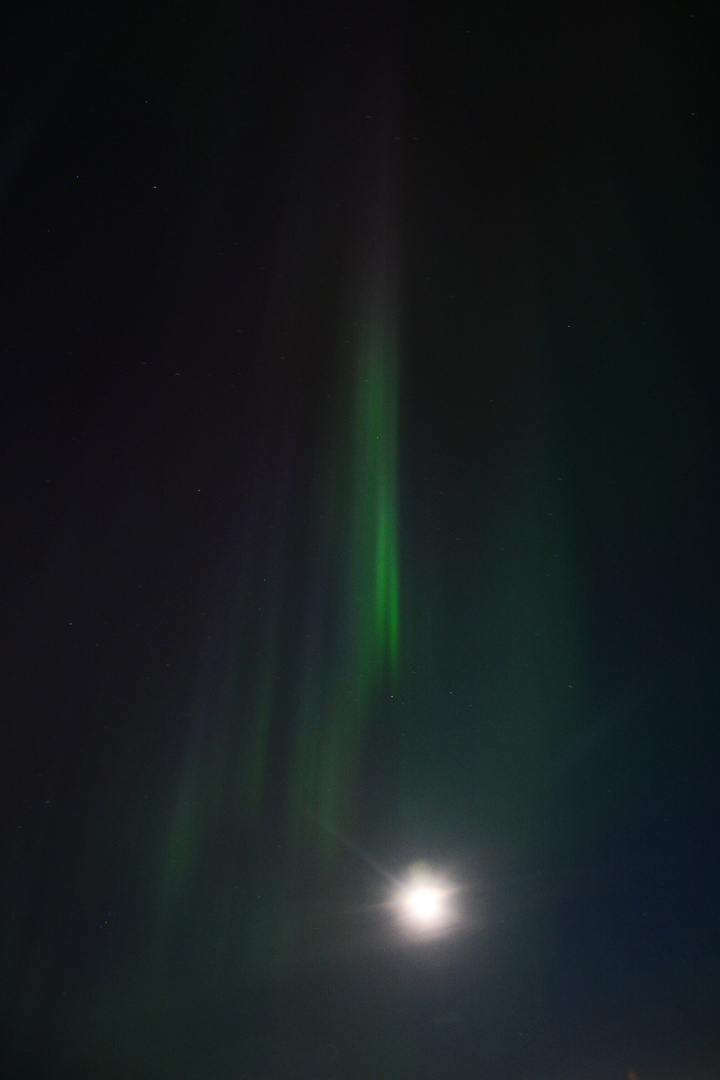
(360, 476)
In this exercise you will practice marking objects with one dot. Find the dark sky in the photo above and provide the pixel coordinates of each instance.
(360, 473)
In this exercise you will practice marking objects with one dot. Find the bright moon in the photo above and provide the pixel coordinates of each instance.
(424, 902)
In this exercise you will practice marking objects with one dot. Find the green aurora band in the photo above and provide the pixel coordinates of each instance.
(360, 538)
(350, 652)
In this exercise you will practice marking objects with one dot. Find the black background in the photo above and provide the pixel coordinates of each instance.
(187, 197)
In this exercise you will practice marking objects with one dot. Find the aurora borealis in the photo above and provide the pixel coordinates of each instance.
(360, 440)
(359, 555)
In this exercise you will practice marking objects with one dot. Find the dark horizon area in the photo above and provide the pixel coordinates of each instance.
(360, 457)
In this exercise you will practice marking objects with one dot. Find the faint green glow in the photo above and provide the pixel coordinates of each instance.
(360, 546)
(315, 657)
(374, 490)
(181, 851)
(256, 748)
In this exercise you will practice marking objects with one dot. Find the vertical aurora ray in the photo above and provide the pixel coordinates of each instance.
(359, 560)
(316, 646)
(374, 541)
